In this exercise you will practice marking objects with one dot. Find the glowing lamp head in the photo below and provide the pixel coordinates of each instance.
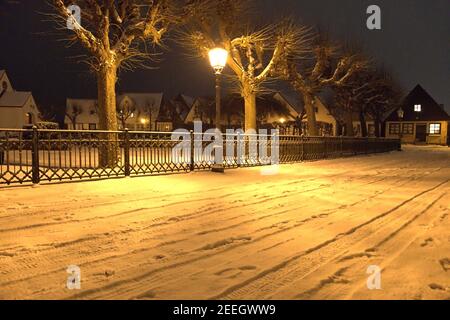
(400, 113)
(282, 120)
(143, 121)
(218, 59)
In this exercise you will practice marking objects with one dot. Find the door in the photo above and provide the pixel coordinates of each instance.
(421, 133)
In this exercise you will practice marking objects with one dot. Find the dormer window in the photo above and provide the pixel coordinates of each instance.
(418, 108)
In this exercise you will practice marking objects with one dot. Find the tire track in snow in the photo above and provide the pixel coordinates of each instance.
(252, 285)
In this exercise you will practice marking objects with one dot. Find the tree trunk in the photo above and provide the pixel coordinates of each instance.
(250, 111)
(106, 85)
(349, 124)
(362, 121)
(377, 126)
(308, 101)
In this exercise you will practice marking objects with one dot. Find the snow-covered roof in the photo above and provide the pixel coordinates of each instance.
(142, 99)
(84, 104)
(143, 102)
(14, 98)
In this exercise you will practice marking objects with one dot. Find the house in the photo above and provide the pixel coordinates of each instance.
(17, 108)
(81, 114)
(370, 125)
(135, 111)
(202, 109)
(146, 111)
(326, 122)
(424, 120)
(182, 104)
(273, 111)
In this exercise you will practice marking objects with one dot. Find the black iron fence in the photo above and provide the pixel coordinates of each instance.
(34, 156)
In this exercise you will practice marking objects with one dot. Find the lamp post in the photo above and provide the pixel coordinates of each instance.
(218, 59)
(400, 114)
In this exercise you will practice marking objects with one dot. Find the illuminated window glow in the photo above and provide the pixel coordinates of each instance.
(435, 128)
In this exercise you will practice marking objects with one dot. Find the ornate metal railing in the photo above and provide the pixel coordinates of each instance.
(34, 156)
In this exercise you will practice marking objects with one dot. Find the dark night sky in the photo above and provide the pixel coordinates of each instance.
(413, 44)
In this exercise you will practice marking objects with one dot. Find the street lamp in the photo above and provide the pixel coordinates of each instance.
(218, 59)
(144, 122)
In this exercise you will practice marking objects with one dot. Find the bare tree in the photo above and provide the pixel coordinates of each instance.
(125, 112)
(253, 54)
(115, 34)
(328, 67)
(72, 114)
(373, 93)
(384, 95)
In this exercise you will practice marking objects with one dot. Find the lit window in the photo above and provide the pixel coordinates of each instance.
(418, 108)
(408, 128)
(435, 128)
(394, 128)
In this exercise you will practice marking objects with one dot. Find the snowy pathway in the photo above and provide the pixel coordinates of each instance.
(309, 232)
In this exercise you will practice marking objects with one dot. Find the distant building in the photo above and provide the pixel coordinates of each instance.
(17, 108)
(81, 114)
(326, 122)
(202, 109)
(370, 125)
(182, 105)
(424, 120)
(135, 111)
(273, 111)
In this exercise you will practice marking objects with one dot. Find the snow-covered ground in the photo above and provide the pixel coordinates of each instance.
(308, 232)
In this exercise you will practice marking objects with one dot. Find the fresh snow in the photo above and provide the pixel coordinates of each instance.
(308, 232)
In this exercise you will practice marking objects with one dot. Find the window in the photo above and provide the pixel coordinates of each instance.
(92, 126)
(316, 109)
(394, 128)
(418, 108)
(408, 128)
(435, 128)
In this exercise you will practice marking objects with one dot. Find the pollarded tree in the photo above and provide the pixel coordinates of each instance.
(372, 92)
(125, 112)
(382, 95)
(115, 34)
(328, 66)
(253, 55)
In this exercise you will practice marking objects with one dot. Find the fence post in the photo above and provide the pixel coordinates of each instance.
(341, 145)
(35, 156)
(326, 148)
(192, 160)
(303, 148)
(127, 153)
(238, 150)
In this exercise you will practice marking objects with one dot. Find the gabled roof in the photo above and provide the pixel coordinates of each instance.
(2, 72)
(14, 99)
(188, 100)
(267, 104)
(144, 102)
(143, 99)
(431, 110)
(182, 104)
